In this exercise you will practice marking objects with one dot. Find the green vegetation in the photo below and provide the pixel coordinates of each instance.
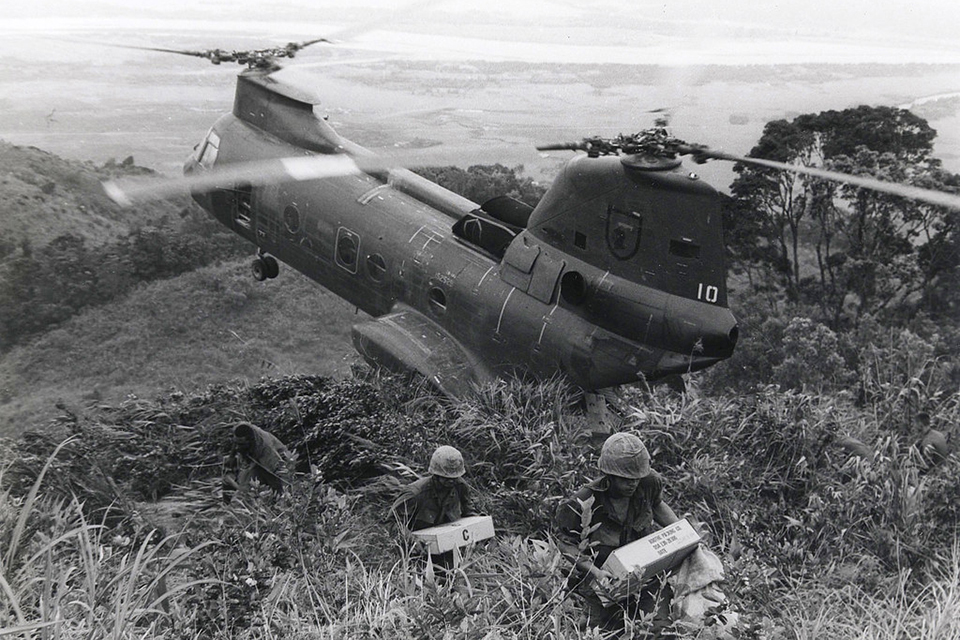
(110, 518)
(480, 183)
(816, 543)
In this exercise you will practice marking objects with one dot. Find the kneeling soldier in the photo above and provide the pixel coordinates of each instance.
(438, 498)
(257, 454)
(627, 500)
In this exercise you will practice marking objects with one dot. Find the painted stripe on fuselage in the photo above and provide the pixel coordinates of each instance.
(504, 308)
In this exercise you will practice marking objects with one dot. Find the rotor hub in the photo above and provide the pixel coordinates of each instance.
(643, 162)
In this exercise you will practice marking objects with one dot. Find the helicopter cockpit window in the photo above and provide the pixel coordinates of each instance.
(211, 147)
(684, 249)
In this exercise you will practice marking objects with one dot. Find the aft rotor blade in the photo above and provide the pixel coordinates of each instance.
(930, 196)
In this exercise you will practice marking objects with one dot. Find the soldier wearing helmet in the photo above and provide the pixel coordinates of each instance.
(618, 508)
(438, 498)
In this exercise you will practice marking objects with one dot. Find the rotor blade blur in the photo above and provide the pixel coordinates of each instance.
(127, 192)
(930, 196)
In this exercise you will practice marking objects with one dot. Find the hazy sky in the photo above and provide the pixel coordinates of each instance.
(688, 32)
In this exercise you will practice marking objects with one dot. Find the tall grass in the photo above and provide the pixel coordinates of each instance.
(62, 577)
(791, 514)
(903, 609)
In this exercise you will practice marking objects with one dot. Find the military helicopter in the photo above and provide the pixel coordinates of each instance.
(616, 276)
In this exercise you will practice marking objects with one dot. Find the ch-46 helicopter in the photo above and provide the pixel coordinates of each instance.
(616, 276)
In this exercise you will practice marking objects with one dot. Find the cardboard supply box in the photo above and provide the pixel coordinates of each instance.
(634, 564)
(458, 533)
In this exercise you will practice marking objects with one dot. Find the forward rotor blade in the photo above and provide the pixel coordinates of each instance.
(127, 192)
(930, 196)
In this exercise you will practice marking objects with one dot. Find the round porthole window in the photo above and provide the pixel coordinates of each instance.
(291, 218)
(376, 267)
(573, 288)
(438, 300)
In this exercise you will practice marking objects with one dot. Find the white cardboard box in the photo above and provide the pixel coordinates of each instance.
(458, 533)
(634, 564)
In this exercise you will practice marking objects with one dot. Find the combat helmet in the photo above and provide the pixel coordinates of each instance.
(446, 462)
(624, 455)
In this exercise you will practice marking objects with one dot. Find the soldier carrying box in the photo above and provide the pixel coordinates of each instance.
(606, 514)
(438, 498)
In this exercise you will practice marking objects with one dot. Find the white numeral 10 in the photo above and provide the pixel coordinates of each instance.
(708, 293)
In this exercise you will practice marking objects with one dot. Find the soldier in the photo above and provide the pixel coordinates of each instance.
(438, 498)
(627, 500)
(257, 454)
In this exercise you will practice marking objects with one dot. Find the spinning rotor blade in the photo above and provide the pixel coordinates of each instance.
(930, 196)
(127, 192)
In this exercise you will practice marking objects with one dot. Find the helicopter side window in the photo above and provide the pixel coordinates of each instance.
(376, 267)
(348, 249)
(438, 300)
(685, 249)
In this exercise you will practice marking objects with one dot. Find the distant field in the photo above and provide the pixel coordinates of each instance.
(157, 107)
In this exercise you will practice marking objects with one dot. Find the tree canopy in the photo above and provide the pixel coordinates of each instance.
(844, 249)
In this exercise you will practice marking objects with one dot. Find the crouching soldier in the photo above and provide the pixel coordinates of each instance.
(438, 498)
(626, 501)
(257, 454)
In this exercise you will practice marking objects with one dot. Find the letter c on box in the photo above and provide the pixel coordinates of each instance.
(466, 535)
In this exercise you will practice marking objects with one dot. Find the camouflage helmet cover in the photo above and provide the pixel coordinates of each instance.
(624, 455)
(447, 462)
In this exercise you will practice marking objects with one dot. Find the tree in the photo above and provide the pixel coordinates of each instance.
(853, 250)
(480, 183)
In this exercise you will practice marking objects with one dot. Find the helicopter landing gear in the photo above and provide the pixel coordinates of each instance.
(264, 266)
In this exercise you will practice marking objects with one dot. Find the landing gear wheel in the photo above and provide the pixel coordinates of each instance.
(273, 267)
(259, 269)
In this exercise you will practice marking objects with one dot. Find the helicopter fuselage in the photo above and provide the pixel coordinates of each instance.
(616, 276)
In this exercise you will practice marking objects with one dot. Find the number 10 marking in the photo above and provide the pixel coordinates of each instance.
(710, 293)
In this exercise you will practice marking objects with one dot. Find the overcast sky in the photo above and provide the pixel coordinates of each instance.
(688, 32)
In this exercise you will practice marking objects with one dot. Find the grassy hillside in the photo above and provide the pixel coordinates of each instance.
(43, 196)
(816, 543)
(208, 326)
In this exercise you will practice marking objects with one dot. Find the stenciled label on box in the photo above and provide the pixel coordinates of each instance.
(458, 533)
(634, 564)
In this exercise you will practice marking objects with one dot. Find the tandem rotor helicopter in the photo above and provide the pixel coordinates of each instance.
(616, 276)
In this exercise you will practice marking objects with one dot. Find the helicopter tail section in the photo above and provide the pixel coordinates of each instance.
(407, 341)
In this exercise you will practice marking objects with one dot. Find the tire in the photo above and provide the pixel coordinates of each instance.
(259, 269)
(272, 266)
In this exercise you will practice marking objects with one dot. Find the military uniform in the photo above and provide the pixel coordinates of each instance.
(619, 520)
(425, 503)
(617, 527)
(259, 454)
(439, 498)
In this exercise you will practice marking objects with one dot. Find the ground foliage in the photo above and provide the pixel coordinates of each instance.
(791, 513)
